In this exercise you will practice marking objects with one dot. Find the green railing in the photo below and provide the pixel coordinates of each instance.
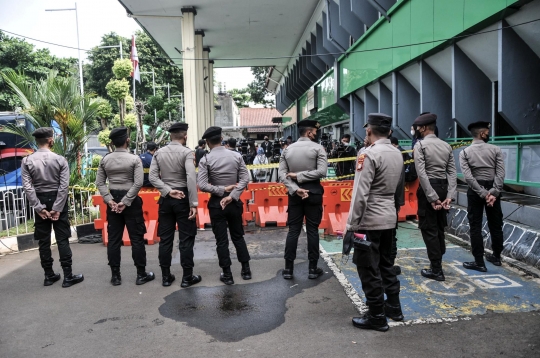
(521, 157)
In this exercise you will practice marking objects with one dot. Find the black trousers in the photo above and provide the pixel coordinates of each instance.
(375, 268)
(172, 212)
(432, 223)
(220, 218)
(62, 232)
(393, 251)
(131, 218)
(475, 213)
(311, 209)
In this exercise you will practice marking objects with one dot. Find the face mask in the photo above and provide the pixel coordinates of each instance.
(346, 144)
(413, 132)
(486, 139)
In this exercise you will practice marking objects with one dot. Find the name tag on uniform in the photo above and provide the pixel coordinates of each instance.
(360, 162)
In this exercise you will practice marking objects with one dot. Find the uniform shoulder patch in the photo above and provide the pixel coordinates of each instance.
(360, 162)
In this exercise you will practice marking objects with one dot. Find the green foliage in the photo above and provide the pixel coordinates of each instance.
(130, 121)
(20, 56)
(104, 108)
(103, 137)
(96, 159)
(162, 115)
(172, 106)
(257, 88)
(241, 97)
(130, 103)
(118, 89)
(122, 68)
(149, 119)
(154, 102)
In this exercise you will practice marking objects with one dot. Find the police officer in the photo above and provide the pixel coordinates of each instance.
(173, 173)
(146, 160)
(434, 162)
(124, 207)
(482, 166)
(372, 212)
(219, 172)
(45, 177)
(399, 201)
(301, 167)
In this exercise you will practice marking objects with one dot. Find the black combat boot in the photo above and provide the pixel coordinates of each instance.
(392, 308)
(288, 271)
(314, 271)
(167, 277)
(69, 278)
(143, 276)
(435, 272)
(246, 271)
(190, 280)
(50, 277)
(374, 319)
(116, 278)
(226, 276)
(495, 260)
(474, 265)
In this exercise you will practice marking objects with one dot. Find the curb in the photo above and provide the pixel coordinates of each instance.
(25, 242)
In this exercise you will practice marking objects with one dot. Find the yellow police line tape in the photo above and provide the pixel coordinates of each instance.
(334, 160)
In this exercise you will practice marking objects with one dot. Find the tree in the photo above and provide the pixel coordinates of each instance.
(56, 102)
(257, 88)
(21, 57)
(241, 97)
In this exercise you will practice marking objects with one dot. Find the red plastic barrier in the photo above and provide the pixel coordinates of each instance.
(203, 215)
(247, 215)
(410, 209)
(336, 203)
(270, 201)
(150, 214)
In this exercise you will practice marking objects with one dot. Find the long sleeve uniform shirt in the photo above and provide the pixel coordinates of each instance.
(220, 168)
(305, 158)
(124, 172)
(482, 161)
(434, 159)
(45, 171)
(378, 172)
(173, 166)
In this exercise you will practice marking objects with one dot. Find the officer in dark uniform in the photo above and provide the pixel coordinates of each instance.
(379, 169)
(482, 165)
(345, 167)
(173, 173)
(124, 207)
(219, 172)
(146, 160)
(301, 167)
(45, 177)
(434, 162)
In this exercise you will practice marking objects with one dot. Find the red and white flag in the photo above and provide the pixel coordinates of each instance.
(135, 73)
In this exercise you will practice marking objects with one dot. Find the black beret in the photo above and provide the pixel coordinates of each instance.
(118, 133)
(151, 145)
(211, 132)
(425, 119)
(479, 125)
(43, 132)
(178, 127)
(379, 119)
(309, 123)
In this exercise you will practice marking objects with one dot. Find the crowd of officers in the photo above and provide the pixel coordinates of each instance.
(379, 174)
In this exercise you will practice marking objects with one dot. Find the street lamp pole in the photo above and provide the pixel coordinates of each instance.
(154, 89)
(114, 46)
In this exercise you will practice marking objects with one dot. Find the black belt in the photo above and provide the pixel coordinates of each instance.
(438, 181)
(485, 183)
(47, 193)
(225, 194)
(118, 192)
(182, 188)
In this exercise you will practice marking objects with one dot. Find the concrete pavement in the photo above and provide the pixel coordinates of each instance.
(264, 317)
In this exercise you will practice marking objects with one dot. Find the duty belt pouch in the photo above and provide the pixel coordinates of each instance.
(362, 253)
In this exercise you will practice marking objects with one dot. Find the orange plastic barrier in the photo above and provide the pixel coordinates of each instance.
(336, 203)
(150, 214)
(270, 201)
(203, 215)
(410, 209)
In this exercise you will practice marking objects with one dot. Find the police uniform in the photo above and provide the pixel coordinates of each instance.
(217, 170)
(434, 162)
(482, 166)
(45, 177)
(173, 168)
(125, 175)
(308, 160)
(378, 173)
(146, 159)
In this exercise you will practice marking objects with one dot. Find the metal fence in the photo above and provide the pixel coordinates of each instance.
(17, 217)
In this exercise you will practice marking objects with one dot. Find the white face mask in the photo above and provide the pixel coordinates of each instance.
(412, 132)
(346, 143)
